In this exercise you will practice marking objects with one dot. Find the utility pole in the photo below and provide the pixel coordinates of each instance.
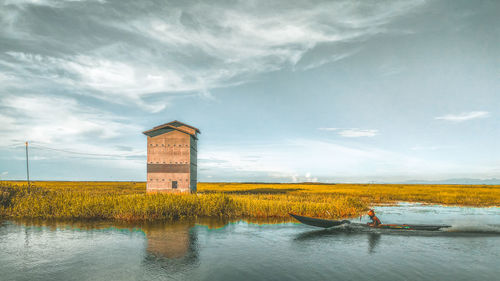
(27, 166)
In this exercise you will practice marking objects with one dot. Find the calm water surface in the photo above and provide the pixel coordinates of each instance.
(248, 251)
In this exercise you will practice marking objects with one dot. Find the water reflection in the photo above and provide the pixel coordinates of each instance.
(373, 238)
(172, 241)
(373, 241)
(171, 248)
(47, 250)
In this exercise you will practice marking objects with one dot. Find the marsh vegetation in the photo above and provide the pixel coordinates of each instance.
(128, 200)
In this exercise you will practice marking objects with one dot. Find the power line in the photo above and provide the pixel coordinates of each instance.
(82, 153)
(27, 166)
(37, 146)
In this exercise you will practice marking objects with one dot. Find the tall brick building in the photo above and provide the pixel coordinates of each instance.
(172, 158)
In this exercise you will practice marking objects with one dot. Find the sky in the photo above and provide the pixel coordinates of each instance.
(282, 91)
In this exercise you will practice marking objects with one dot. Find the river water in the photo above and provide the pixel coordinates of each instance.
(217, 250)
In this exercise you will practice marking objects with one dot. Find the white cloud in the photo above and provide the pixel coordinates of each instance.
(62, 123)
(352, 132)
(328, 129)
(183, 49)
(464, 116)
(52, 118)
(356, 133)
(49, 3)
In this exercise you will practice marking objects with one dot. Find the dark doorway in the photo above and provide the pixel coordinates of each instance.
(174, 184)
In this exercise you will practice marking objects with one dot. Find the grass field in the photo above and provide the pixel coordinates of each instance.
(128, 201)
(372, 194)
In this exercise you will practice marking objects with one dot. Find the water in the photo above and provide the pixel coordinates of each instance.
(214, 250)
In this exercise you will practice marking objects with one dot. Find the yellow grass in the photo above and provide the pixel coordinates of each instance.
(373, 194)
(128, 201)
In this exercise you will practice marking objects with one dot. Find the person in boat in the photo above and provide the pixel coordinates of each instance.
(375, 221)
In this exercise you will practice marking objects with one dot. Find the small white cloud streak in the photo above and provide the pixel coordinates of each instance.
(465, 116)
(352, 132)
(356, 133)
(48, 3)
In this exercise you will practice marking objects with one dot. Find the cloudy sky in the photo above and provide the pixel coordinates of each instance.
(333, 91)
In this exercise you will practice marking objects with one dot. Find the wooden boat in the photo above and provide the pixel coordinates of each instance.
(318, 222)
(429, 227)
(331, 223)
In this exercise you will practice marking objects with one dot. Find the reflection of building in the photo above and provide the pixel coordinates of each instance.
(172, 157)
(172, 241)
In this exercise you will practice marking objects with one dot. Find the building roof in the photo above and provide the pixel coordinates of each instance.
(177, 124)
(167, 127)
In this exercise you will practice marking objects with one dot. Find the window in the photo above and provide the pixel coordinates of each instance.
(174, 184)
